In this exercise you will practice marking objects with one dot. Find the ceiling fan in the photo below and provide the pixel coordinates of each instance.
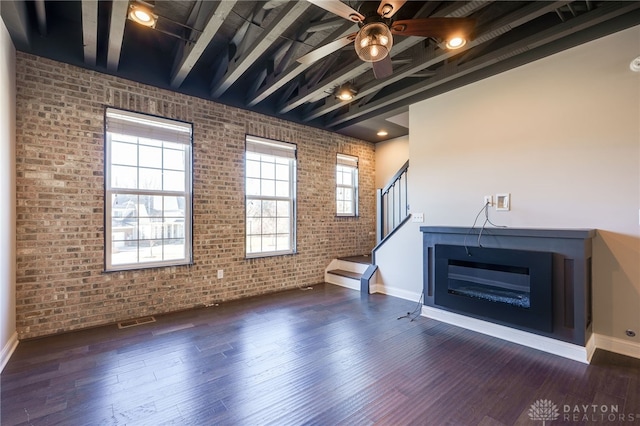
(374, 39)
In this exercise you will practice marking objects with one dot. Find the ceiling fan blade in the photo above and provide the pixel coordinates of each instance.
(383, 68)
(327, 49)
(395, 6)
(338, 8)
(434, 27)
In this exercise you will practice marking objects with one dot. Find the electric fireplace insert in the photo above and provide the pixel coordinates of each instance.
(505, 286)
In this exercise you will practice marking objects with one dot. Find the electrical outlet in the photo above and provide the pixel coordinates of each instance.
(220, 273)
(488, 199)
(417, 217)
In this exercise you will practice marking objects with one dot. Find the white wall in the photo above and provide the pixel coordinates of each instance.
(7, 196)
(562, 135)
(390, 156)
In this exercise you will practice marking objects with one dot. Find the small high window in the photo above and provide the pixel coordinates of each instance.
(346, 185)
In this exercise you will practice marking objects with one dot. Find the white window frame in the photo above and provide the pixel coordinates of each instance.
(264, 150)
(343, 163)
(169, 135)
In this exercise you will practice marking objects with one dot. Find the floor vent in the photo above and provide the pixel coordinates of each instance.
(135, 322)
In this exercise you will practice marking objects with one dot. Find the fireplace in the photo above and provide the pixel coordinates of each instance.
(534, 281)
(510, 287)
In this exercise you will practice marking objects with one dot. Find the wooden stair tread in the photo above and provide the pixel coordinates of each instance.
(363, 259)
(343, 273)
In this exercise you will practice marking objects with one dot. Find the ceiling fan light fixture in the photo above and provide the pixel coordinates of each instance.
(373, 42)
(142, 14)
(456, 42)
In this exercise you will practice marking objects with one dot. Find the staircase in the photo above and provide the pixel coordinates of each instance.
(350, 272)
(357, 272)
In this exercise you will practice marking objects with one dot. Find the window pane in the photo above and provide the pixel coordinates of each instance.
(173, 181)
(124, 154)
(173, 159)
(254, 226)
(254, 244)
(150, 179)
(348, 194)
(282, 226)
(253, 169)
(150, 157)
(282, 172)
(253, 186)
(284, 208)
(174, 249)
(267, 188)
(254, 208)
(269, 243)
(269, 225)
(268, 170)
(124, 177)
(282, 189)
(122, 254)
(283, 242)
(268, 208)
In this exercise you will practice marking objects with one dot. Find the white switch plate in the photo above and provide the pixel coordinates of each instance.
(220, 273)
(417, 217)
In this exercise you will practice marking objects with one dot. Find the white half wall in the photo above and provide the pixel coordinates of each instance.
(8, 335)
(562, 136)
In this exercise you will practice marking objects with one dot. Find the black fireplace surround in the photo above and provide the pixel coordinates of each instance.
(536, 280)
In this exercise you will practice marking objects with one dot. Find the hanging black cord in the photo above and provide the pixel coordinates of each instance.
(416, 312)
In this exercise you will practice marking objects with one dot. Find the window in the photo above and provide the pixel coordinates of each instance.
(346, 185)
(270, 197)
(148, 195)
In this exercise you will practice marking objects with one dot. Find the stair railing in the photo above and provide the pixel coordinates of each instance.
(392, 203)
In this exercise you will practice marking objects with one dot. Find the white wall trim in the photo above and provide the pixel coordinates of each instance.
(619, 346)
(395, 292)
(542, 343)
(8, 350)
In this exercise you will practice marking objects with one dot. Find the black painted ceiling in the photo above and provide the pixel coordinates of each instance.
(243, 53)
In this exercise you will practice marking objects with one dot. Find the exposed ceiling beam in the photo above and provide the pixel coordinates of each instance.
(193, 52)
(287, 16)
(119, 10)
(41, 17)
(276, 82)
(605, 12)
(433, 57)
(358, 67)
(90, 31)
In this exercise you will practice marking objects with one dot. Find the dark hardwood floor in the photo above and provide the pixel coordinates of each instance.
(324, 356)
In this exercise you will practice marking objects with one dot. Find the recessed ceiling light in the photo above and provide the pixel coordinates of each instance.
(382, 133)
(142, 14)
(455, 42)
(346, 92)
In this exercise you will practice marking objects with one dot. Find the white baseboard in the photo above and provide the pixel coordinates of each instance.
(619, 346)
(546, 344)
(395, 292)
(7, 350)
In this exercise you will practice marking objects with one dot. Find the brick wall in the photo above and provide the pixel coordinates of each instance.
(61, 285)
